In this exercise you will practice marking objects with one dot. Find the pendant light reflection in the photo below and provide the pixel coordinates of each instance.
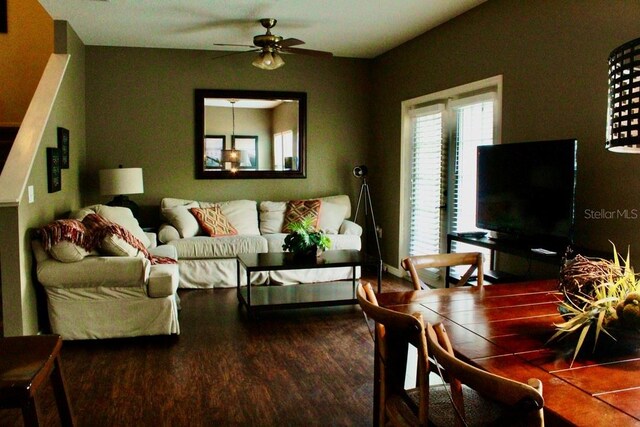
(268, 61)
(623, 112)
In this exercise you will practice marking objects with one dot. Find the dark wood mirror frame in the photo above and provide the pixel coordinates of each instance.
(240, 173)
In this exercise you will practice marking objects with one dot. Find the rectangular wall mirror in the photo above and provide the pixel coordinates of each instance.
(250, 134)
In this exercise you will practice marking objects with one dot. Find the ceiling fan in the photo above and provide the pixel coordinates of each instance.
(271, 46)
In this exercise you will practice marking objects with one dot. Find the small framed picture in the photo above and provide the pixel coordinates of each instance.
(63, 146)
(213, 146)
(54, 174)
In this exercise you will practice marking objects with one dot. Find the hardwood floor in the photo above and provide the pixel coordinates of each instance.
(290, 367)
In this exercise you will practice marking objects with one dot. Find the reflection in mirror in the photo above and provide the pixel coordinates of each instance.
(250, 134)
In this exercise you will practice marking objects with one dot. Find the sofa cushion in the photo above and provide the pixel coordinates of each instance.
(272, 217)
(213, 221)
(118, 214)
(272, 214)
(242, 214)
(331, 217)
(200, 247)
(112, 238)
(182, 219)
(298, 210)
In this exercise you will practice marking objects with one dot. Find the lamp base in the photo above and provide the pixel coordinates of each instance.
(125, 202)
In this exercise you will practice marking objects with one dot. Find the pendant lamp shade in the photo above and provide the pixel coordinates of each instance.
(623, 111)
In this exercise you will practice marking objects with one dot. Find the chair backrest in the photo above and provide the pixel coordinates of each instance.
(525, 401)
(416, 263)
(394, 331)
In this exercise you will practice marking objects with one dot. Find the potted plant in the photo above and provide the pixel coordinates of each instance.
(304, 240)
(598, 296)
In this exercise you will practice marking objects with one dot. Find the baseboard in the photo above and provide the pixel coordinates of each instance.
(393, 270)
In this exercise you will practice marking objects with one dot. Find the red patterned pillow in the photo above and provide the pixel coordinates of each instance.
(213, 221)
(297, 210)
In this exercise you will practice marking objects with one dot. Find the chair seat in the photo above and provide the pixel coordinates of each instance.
(479, 410)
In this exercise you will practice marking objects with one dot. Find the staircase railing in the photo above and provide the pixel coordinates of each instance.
(17, 168)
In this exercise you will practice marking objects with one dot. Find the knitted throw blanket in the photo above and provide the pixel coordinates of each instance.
(69, 230)
(89, 233)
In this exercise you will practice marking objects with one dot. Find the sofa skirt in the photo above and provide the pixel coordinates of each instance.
(94, 313)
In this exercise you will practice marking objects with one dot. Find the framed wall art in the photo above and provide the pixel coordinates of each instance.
(54, 173)
(63, 146)
(213, 146)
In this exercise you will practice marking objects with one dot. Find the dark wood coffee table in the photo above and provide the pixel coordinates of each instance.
(299, 295)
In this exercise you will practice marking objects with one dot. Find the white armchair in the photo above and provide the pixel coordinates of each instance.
(110, 296)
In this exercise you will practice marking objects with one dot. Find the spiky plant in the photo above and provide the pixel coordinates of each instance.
(304, 238)
(595, 293)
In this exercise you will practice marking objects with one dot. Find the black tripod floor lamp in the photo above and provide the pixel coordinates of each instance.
(369, 217)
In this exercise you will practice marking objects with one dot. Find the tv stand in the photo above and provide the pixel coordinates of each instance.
(550, 254)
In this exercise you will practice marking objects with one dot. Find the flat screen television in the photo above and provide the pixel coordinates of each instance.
(527, 190)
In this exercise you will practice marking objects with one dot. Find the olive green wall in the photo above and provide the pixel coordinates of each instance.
(553, 58)
(140, 113)
(20, 314)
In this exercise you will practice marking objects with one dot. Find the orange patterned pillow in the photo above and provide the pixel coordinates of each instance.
(213, 221)
(297, 210)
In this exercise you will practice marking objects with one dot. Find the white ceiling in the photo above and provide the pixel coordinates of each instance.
(348, 28)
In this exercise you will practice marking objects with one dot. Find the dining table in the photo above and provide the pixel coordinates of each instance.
(505, 329)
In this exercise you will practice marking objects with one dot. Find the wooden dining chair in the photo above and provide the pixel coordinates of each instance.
(393, 332)
(495, 400)
(474, 260)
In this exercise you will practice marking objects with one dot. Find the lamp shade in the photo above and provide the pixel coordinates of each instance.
(623, 111)
(121, 181)
(268, 61)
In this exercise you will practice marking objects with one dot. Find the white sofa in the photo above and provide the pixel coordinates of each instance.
(93, 296)
(210, 262)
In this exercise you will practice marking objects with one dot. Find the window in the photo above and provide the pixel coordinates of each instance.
(441, 133)
(283, 151)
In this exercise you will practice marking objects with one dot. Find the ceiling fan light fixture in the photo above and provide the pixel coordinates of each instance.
(268, 61)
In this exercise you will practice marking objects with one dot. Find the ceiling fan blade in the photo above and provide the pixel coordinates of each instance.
(235, 53)
(234, 45)
(290, 42)
(310, 52)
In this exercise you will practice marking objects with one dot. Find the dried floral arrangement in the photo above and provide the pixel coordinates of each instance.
(598, 295)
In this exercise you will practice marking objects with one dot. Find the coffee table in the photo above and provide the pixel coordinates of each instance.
(304, 294)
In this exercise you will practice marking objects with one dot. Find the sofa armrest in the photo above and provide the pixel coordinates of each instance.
(167, 233)
(350, 227)
(94, 271)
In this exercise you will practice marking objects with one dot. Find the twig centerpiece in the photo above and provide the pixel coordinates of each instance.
(599, 295)
(304, 240)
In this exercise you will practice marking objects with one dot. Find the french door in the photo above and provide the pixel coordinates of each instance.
(440, 154)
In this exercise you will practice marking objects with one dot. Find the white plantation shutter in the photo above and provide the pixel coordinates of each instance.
(474, 126)
(428, 179)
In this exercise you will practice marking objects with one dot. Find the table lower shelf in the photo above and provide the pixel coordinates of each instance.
(275, 297)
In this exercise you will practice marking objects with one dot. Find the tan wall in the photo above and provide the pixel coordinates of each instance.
(24, 52)
(140, 113)
(553, 56)
(18, 290)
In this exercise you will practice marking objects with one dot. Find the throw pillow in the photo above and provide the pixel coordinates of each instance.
(66, 240)
(297, 210)
(213, 221)
(331, 217)
(183, 220)
(113, 239)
